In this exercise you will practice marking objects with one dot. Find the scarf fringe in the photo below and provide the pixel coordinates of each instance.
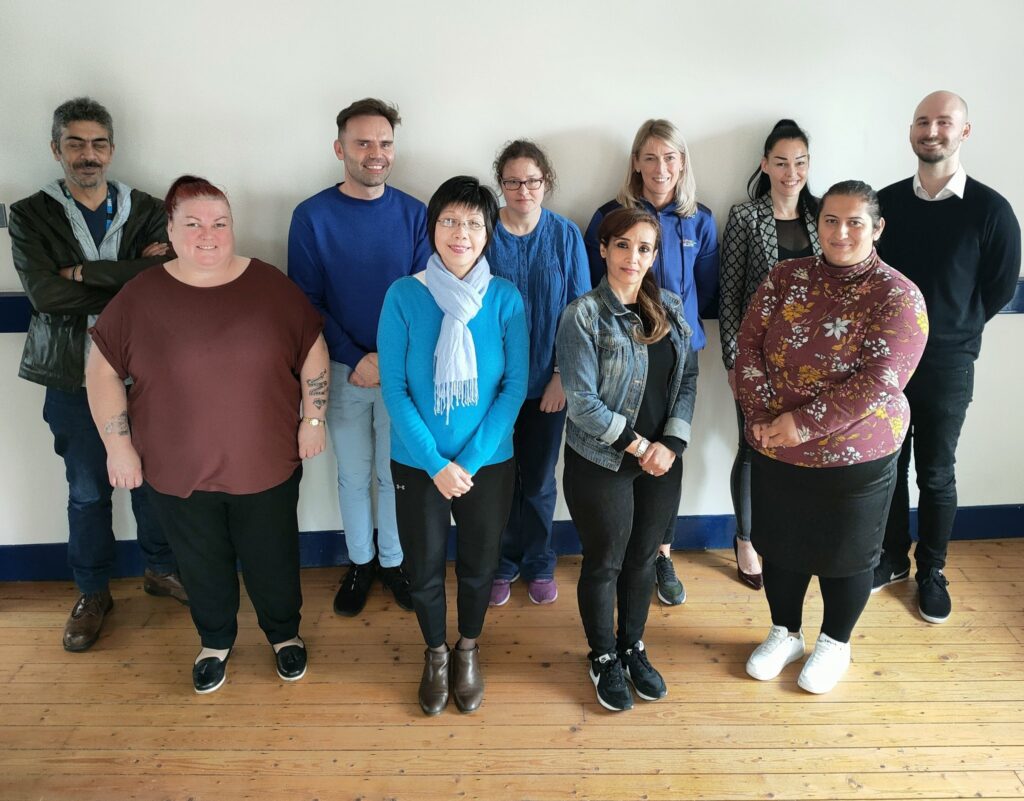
(455, 393)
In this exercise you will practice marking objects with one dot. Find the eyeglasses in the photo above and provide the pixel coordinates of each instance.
(512, 185)
(469, 225)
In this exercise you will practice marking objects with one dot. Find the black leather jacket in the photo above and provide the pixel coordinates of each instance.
(43, 242)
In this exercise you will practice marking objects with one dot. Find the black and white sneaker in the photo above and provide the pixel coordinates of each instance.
(647, 681)
(671, 591)
(612, 691)
(933, 600)
(889, 571)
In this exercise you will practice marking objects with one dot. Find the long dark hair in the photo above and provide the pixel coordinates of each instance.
(759, 184)
(652, 310)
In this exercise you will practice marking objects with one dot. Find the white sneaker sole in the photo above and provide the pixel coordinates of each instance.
(291, 678)
(937, 621)
(666, 602)
(819, 689)
(755, 674)
(215, 687)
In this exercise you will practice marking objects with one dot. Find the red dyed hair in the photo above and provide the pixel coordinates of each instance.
(190, 187)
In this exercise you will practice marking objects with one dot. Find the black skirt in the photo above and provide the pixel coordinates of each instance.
(827, 521)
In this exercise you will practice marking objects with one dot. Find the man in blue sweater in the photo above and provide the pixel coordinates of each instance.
(959, 241)
(346, 246)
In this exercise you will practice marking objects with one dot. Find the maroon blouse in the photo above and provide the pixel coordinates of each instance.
(215, 401)
(835, 346)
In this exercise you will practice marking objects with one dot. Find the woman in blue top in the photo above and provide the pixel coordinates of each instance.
(777, 223)
(630, 383)
(453, 349)
(660, 179)
(541, 253)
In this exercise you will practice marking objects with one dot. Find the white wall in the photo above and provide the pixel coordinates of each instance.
(246, 93)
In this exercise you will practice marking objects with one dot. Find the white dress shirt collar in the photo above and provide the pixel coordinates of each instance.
(954, 186)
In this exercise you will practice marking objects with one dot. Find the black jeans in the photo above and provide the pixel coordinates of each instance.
(739, 480)
(210, 530)
(843, 598)
(424, 519)
(621, 518)
(939, 398)
(526, 541)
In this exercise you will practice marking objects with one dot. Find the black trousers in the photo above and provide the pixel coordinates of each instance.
(621, 517)
(739, 480)
(209, 531)
(424, 520)
(843, 599)
(939, 398)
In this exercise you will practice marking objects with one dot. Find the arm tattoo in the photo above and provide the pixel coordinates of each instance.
(318, 389)
(118, 424)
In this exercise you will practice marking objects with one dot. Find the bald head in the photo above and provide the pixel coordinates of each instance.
(939, 126)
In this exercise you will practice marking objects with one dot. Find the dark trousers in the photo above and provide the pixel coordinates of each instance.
(939, 398)
(91, 548)
(209, 531)
(424, 520)
(670, 529)
(526, 541)
(621, 517)
(739, 480)
(843, 599)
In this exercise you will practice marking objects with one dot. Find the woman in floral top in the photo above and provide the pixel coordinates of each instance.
(826, 346)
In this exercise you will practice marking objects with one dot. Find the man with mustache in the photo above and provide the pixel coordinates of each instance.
(76, 242)
(347, 244)
(959, 241)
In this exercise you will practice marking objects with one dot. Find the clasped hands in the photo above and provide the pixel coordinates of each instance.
(779, 433)
(657, 459)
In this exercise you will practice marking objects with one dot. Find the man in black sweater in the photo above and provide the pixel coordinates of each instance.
(959, 241)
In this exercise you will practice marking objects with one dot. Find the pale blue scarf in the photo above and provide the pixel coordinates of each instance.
(455, 374)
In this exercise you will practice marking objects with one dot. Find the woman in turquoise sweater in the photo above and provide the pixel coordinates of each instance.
(454, 364)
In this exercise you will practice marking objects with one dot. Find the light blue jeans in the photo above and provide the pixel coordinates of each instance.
(361, 435)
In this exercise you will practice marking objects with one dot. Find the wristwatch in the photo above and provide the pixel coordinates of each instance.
(314, 421)
(642, 447)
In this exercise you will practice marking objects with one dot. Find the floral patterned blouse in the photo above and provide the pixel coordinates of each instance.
(835, 346)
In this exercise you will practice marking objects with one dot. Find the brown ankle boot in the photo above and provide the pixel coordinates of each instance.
(467, 680)
(86, 620)
(434, 683)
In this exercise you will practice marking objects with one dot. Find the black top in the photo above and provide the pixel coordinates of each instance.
(964, 256)
(794, 241)
(99, 220)
(653, 411)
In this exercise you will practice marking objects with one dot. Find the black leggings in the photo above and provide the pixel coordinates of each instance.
(844, 599)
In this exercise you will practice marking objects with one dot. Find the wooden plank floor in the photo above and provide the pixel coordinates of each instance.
(925, 712)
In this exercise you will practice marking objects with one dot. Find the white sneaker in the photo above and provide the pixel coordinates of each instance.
(826, 666)
(771, 656)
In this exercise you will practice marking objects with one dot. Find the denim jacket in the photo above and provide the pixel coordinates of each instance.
(604, 372)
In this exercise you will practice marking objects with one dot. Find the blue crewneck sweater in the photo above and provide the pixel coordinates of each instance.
(472, 436)
(549, 268)
(344, 253)
(687, 261)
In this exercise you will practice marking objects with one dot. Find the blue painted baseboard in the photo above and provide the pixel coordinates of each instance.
(327, 548)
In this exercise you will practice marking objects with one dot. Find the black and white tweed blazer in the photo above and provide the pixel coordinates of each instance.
(750, 248)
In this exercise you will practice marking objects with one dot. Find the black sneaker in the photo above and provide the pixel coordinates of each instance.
(355, 586)
(291, 662)
(889, 571)
(612, 691)
(647, 681)
(397, 580)
(670, 589)
(933, 598)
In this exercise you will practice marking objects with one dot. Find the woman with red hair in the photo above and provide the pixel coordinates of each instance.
(221, 351)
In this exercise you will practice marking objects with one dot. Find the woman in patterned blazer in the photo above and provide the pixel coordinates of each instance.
(777, 223)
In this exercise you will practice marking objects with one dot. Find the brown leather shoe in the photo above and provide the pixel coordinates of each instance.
(86, 620)
(467, 680)
(167, 585)
(434, 683)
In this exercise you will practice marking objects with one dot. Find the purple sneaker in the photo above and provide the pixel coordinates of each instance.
(501, 591)
(542, 591)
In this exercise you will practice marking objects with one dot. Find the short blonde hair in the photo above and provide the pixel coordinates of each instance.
(633, 188)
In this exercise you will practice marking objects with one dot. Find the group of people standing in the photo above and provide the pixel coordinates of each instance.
(444, 348)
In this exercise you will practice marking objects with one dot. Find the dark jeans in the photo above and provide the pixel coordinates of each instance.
(739, 480)
(843, 599)
(621, 517)
(526, 541)
(424, 520)
(939, 398)
(210, 531)
(91, 549)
